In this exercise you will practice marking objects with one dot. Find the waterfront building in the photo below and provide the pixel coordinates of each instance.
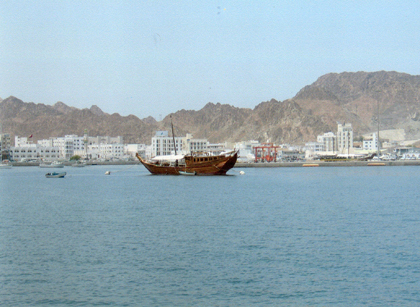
(190, 144)
(400, 151)
(22, 141)
(389, 145)
(315, 147)
(26, 150)
(216, 148)
(329, 142)
(34, 152)
(104, 151)
(95, 140)
(132, 149)
(4, 145)
(163, 144)
(44, 143)
(246, 150)
(371, 143)
(69, 144)
(358, 145)
(99, 147)
(407, 152)
(55, 148)
(411, 154)
(149, 151)
(345, 138)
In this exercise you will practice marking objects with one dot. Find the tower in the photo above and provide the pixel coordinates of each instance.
(85, 142)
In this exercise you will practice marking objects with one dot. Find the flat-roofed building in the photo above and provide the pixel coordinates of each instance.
(329, 141)
(371, 143)
(5, 145)
(344, 138)
(163, 144)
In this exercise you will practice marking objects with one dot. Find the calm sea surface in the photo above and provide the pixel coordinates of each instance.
(273, 237)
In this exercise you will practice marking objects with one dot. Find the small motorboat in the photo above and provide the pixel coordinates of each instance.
(187, 173)
(54, 164)
(55, 175)
(79, 164)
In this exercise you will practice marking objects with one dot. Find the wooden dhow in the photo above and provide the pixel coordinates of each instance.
(198, 164)
(190, 164)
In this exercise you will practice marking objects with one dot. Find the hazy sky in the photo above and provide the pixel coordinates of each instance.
(157, 57)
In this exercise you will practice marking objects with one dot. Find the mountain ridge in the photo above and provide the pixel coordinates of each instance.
(334, 97)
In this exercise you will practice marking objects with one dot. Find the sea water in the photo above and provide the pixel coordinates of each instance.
(337, 236)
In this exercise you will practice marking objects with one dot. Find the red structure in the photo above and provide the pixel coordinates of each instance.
(266, 153)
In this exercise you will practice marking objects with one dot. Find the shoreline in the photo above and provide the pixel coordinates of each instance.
(264, 164)
(18, 164)
(330, 164)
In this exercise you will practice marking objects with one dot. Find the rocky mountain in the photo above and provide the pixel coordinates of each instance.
(43, 121)
(344, 97)
(359, 97)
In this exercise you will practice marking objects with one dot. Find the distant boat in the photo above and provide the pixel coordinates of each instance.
(5, 164)
(55, 175)
(54, 164)
(79, 164)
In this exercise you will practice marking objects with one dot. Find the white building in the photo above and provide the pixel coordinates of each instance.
(34, 152)
(69, 145)
(25, 150)
(315, 147)
(105, 151)
(246, 150)
(345, 138)
(132, 149)
(22, 141)
(104, 139)
(329, 141)
(371, 143)
(216, 148)
(102, 147)
(190, 144)
(99, 147)
(5, 145)
(163, 144)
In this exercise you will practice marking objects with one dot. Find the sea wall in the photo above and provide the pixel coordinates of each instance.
(330, 164)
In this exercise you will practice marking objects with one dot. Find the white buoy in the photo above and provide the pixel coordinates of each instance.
(242, 172)
(108, 173)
